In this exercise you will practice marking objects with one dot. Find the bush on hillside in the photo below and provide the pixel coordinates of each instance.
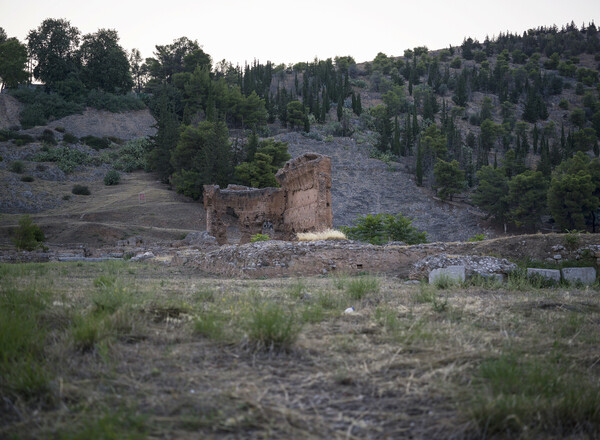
(17, 167)
(112, 178)
(70, 138)
(95, 142)
(382, 228)
(81, 190)
(66, 158)
(28, 236)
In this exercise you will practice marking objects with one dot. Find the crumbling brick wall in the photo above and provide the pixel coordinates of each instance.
(302, 204)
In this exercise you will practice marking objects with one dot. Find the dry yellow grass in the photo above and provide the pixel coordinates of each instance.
(328, 234)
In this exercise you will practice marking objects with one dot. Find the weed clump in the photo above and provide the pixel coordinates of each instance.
(359, 287)
(271, 327)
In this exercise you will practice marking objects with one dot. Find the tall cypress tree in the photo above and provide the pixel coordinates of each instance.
(419, 167)
(165, 139)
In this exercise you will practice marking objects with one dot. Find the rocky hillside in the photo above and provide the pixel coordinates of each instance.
(361, 185)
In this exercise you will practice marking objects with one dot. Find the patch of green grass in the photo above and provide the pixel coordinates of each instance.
(22, 340)
(87, 331)
(272, 327)
(205, 294)
(520, 394)
(425, 294)
(387, 318)
(112, 424)
(340, 281)
(358, 288)
(313, 313)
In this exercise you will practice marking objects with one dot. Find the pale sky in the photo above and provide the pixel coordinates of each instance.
(289, 32)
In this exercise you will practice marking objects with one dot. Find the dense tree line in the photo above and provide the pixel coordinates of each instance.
(505, 117)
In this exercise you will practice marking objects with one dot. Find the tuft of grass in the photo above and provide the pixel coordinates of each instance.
(328, 234)
(520, 394)
(271, 327)
(328, 300)
(358, 288)
(211, 324)
(296, 290)
(313, 313)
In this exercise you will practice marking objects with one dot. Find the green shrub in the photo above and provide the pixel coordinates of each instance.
(27, 179)
(66, 158)
(66, 197)
(259, 237)
(70, 138)
(33, 115)
(41, 106)
(477, 237)
(28, 236)
(17, 167)
(59, 129)
(112, 178)
(47, 137)
(132, 155)
(381, 228)
(113, 103)
(95, 142)
(81, 190)
(563, 104)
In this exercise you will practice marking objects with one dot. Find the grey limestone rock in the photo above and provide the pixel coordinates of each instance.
(546, 274)
(585, 275)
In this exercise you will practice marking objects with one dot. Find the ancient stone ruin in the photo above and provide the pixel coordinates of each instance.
(301, 204)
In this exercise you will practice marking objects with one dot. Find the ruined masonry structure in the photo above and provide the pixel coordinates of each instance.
(302, 204)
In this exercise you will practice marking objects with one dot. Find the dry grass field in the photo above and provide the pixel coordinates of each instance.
(121, 350)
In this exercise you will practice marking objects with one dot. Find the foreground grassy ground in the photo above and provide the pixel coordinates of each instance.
(121, 350)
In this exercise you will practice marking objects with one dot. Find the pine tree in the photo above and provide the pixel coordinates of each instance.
(340, 108)
(358, 105)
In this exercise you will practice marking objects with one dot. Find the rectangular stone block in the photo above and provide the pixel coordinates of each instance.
(548, 274)
(585, 275)
(454, 273)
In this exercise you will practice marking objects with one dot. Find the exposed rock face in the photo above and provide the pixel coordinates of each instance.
(302, 204)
